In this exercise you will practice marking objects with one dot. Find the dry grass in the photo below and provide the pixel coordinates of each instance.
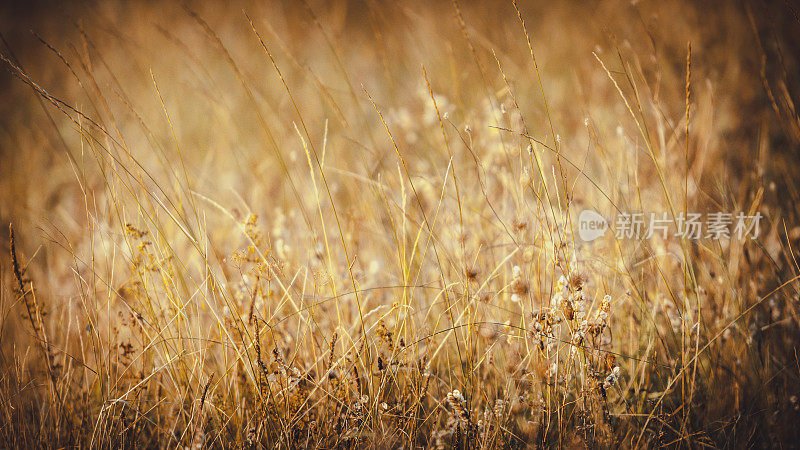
(353, 224)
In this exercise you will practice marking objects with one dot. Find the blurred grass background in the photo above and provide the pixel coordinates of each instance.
(191, 224)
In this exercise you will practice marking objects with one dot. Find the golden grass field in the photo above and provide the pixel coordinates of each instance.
(356, 224)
